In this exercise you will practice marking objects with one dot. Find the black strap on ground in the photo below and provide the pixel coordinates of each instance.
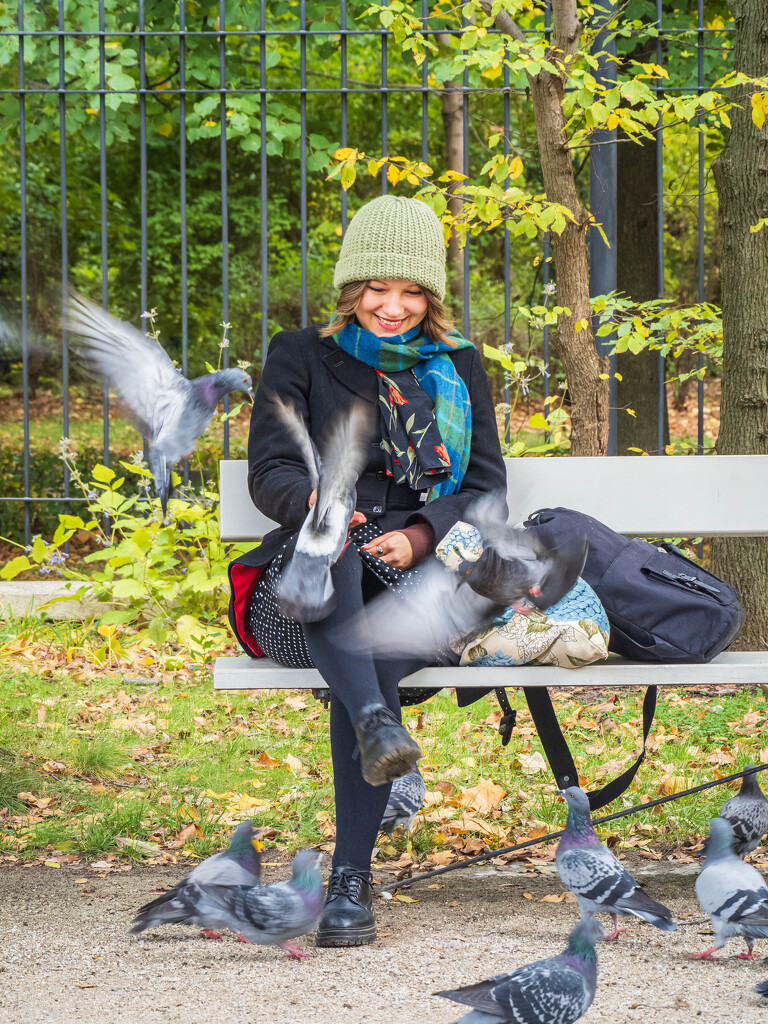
(490, 854)
(559, 755)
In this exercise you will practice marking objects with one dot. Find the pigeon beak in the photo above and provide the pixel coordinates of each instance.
(257, 845)
(250, 395)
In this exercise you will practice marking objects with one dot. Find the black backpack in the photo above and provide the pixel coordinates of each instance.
(661, 607)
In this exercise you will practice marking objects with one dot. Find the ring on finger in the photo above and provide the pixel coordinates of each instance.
(379, 549)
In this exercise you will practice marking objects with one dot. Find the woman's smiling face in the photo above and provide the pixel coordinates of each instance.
(390, 307)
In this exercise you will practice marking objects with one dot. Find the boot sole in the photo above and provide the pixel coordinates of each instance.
(346, 936)
(392, 765)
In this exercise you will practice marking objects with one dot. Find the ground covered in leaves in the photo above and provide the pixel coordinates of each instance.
(106, 769)
(67, 956)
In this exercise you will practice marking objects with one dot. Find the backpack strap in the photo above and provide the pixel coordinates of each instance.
(559, 756)
(508, 716)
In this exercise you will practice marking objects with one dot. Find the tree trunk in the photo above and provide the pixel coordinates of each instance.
(637, 271)
(582, 365)
(741, 177)
(452, 100)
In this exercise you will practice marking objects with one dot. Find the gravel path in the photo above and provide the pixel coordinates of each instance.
(66, 956)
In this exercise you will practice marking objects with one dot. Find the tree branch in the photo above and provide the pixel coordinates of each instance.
(503, 22)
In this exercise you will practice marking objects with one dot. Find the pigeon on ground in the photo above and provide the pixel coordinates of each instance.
(305, 592)
(168, 410)
(557, 990)
(267, 915)
(601, 885)
(747, 813)
(405, 801)
(732, 892)
(239, 864)
(762, 989)
(440, 606)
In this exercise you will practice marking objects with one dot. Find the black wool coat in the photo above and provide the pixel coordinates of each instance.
(319, 379)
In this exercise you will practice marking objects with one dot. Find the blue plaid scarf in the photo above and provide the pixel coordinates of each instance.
(423, 448)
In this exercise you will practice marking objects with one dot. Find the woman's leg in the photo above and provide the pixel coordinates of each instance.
(386, 749)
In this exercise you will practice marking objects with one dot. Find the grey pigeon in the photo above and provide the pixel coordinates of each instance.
(732, 892)
(762, 989)
(305, 591)
(267, 915)
(557, 990)
(747, 813)
(440, 606)
(405, 801)
(168, 410)
(239, 864)
(601, 885)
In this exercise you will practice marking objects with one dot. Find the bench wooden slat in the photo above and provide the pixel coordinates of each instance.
(654, 496)
(243, 673)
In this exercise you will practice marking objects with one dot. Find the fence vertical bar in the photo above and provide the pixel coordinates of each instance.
(700, 84)
(183, 199)
(64, 245)
(465, 171)
(507, 254)
(660, 226)
(23, 269)
(303, 155)
(545, 255)
(384, 89)
(224, 201)
(103, 214)
(343, 99)
(425, 88)
(263, 174)
(143, 155)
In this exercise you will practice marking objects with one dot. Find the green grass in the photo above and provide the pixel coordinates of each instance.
(115, 760)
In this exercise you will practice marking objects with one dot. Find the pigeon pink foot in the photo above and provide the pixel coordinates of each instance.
(616, 931)
(294, 952)
(749, 955)
(208, 934)
(708, 954)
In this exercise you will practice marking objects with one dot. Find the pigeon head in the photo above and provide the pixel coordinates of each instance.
(234, 379)
(749, 783)
(578, 828)
(584, 936)
(720, 838)
(243, 840)
(306, 868)
(577, 801)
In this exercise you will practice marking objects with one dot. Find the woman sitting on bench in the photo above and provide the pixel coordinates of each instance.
(390, 343)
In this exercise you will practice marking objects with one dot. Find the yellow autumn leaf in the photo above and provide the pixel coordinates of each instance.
(345, 153)
(551, 898)
(404, 899)
(165, 129)
(209, 124)
(631, 412)
(515, 168)
(393, 175)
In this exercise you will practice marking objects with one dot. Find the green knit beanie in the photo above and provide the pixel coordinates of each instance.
(396, 238)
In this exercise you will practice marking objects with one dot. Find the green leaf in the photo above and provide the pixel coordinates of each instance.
(14, 567)
(538, 422)
(103, 473)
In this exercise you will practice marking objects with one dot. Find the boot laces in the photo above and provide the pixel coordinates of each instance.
(348, 883)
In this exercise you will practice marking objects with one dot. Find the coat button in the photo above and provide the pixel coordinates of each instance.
(381, 474)
(377, 509)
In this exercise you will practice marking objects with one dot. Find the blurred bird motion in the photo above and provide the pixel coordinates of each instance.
(441, 606)
(305, 592)
(169, 411)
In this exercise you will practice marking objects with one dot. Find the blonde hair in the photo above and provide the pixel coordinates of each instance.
(436, 324)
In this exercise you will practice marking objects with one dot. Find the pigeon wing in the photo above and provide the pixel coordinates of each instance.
(343, 457)
(269, 913)
(297, 428)
(595, 874)
(137, 367)
(419, 619)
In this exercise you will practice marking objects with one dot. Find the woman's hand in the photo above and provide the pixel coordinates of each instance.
(357, 517)
(395, 549)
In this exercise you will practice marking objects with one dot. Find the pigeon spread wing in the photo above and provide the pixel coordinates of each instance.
(268, 914)
(140, 370)
(342, 459)
(422, 618)
(297, 429)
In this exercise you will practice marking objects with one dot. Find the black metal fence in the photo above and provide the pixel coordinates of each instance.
(281, 84)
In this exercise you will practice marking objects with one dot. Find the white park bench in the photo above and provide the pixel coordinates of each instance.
(647, 496)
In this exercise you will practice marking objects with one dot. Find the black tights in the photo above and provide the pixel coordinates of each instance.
(354, 679)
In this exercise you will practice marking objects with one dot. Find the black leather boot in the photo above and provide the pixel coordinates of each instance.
(348, 916)
(387, 749)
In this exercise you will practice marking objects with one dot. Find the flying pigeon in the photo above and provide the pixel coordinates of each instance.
(239, 864)
(732, 892)
(267, 915)
(168, 410)
(601, 885)
(748, 814)
(405, 800)
(440, 606)
(762, 989)
(305, 592)
(557, 990)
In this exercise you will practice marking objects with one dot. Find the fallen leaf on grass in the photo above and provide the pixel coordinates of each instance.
(266, 761)
(294, 764)
(531, 764)
(138, 845)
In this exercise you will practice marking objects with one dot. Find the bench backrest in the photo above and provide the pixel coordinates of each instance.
(650, 496)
